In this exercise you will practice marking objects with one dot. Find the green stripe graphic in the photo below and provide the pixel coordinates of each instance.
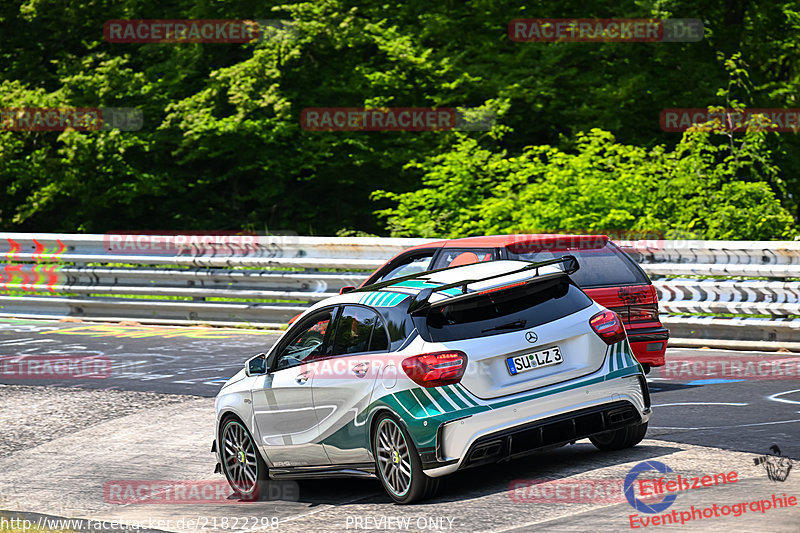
(454, 397)
(425, 402)
(441, 399)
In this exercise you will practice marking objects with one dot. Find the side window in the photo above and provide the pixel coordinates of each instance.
(359, 330)
(461, 256)
(409, 265)
(379, 341)
(306, 342)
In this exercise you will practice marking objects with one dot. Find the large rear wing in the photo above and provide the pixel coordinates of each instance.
(569, 262)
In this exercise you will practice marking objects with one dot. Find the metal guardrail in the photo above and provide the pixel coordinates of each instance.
(175, 279)
(178, 279)
(738, 295)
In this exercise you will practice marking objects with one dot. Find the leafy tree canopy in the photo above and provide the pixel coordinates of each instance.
(222, 147)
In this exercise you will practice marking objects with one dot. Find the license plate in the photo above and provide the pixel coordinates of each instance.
(529, 361)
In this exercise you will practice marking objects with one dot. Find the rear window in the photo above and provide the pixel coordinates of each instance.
(599, 267)
(500, 312)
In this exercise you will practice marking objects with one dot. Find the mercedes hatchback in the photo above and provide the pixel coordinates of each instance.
(416, 377)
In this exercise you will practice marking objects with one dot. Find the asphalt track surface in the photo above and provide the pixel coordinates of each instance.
(152, 417)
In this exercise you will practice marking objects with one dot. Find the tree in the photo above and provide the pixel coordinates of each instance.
(699, 188)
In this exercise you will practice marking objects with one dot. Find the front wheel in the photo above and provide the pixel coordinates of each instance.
(398, 464)
(619, 439)
(241, 462)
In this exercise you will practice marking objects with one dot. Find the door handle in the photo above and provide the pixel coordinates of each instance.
(301, 379)
(360, 369)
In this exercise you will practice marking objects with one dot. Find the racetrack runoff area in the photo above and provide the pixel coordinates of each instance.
(62, 446)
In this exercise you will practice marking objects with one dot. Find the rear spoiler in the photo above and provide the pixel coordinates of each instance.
(570, 267)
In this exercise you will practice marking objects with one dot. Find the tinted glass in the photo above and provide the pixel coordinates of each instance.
(463, 256)
(504, 311)
(599, 267)
(380, 341)
(306, 343)
(398, 323)
(409, 266)
(355, 329)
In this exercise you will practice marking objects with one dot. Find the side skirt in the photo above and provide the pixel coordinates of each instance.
(364, 470)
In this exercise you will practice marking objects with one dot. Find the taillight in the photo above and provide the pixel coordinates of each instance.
(643, 313)
(436, 369)
(608, 326)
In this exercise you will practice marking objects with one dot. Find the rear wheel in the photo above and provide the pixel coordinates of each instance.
(398, 464)
(619, 439)
(241, 462)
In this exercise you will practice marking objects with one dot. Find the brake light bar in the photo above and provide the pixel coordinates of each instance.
(504, 287)
(436, 369)
(608, 327)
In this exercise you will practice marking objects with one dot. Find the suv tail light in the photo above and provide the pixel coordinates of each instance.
(608, 326)
(436, 369)
(643, 313)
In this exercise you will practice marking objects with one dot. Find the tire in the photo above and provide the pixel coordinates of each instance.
(395, 454)
(242, 464)
(620, 439)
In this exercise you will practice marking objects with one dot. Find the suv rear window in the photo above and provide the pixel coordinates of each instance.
(504, 311)
(599, 267)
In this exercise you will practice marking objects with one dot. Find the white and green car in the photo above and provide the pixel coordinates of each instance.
(414, 378)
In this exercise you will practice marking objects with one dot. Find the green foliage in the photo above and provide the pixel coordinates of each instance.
(698, 189)
(222, 146)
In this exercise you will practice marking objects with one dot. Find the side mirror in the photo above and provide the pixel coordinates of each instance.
(345, 290)
(256, 365)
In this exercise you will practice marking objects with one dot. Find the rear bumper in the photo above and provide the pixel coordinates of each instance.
(522, 440)
(522, 428)
(649, 344)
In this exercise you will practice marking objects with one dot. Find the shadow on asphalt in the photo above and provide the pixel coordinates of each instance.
(662, 386)
(484, 480)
